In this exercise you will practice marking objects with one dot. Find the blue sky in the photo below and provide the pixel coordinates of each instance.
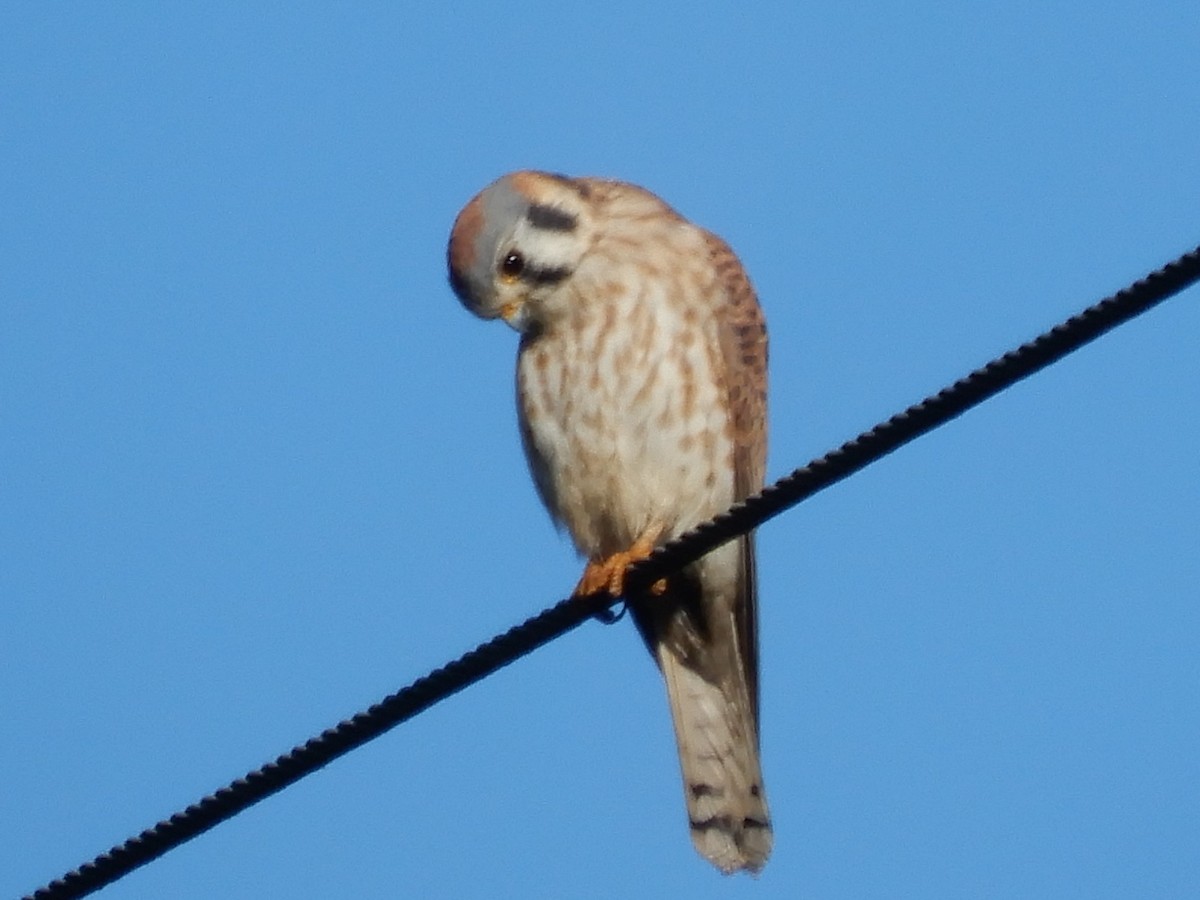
(258, 468)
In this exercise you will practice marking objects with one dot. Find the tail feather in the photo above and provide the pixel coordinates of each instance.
(718, 753)
(702, 632)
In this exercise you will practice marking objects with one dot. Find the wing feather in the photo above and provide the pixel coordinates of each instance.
(742, 332)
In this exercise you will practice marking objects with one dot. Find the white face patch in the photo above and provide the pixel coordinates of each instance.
(544, 250)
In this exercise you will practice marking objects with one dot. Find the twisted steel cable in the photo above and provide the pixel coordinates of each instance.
(935, 410)
(551, 623)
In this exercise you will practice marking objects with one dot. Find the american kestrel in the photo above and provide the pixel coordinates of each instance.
(641, 394)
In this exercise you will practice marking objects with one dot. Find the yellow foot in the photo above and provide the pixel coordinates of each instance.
(608, 574)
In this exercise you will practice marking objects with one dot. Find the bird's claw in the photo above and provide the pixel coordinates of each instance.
(607, 576)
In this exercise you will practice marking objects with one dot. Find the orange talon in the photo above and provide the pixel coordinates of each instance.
(608, 574)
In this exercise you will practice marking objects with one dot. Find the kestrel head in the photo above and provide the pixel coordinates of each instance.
(515, 243)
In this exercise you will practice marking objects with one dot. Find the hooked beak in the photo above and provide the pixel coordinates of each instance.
(515, 315)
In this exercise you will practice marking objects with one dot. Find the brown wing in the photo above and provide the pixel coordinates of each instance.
(743, 336)
(743, 340)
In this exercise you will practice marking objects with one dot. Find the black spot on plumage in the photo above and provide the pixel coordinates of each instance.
(550, 218)
(719, 823)
(544, 276)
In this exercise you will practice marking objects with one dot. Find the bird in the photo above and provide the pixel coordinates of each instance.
(641, 384)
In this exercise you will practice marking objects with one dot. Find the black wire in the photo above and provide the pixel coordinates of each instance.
(920, 418)
(552, 623)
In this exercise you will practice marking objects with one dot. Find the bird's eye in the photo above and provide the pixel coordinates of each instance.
(512, 265)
